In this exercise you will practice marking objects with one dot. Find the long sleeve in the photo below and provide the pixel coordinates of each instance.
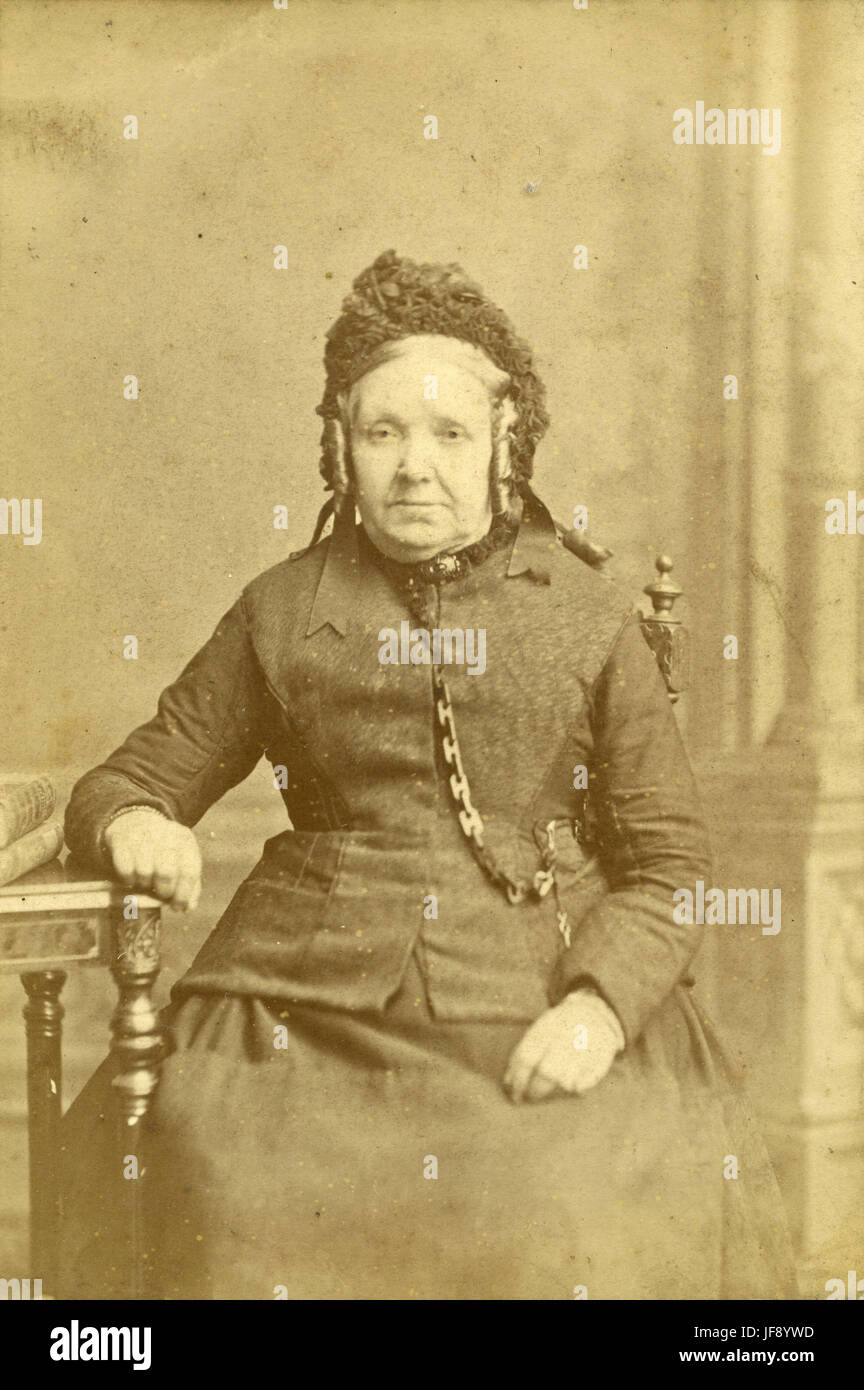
(651, 836)
(205, 738)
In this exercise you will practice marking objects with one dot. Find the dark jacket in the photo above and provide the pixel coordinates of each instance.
(336, 905)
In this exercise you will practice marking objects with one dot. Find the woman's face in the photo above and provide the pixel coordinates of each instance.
(421, 445)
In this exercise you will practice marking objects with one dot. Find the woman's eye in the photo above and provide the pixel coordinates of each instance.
(381, 432)
(454, 432)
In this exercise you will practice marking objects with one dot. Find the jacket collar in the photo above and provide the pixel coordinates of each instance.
(336, 592)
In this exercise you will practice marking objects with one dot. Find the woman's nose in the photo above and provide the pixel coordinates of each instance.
(415, 460)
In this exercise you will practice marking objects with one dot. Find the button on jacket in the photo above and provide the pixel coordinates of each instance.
(375, 867)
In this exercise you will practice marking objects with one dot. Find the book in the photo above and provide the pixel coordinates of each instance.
(23, 806)
(35, 848)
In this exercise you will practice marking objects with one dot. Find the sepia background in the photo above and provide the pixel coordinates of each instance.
(304, 128)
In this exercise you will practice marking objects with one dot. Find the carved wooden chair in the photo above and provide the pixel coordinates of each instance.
(664, 632)
(54, 919)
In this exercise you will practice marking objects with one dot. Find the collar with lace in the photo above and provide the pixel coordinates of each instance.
(446, 566)
(333, 600)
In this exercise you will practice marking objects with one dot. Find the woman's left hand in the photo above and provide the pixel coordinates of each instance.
(569, 1048)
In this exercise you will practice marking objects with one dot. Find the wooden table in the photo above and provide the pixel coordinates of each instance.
(52, 919)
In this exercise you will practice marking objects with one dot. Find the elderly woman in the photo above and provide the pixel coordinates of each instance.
(441, 1043)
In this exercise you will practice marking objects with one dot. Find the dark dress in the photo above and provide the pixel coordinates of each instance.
(374, 1153)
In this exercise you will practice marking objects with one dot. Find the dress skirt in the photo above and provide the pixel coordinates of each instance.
(310, 1153)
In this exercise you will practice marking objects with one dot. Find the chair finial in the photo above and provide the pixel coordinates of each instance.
(665, 634)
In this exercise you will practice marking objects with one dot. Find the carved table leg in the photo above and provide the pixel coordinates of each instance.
(136, 1045)
(43, 1013)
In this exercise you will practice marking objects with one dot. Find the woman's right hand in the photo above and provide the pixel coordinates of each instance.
(152, 853)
